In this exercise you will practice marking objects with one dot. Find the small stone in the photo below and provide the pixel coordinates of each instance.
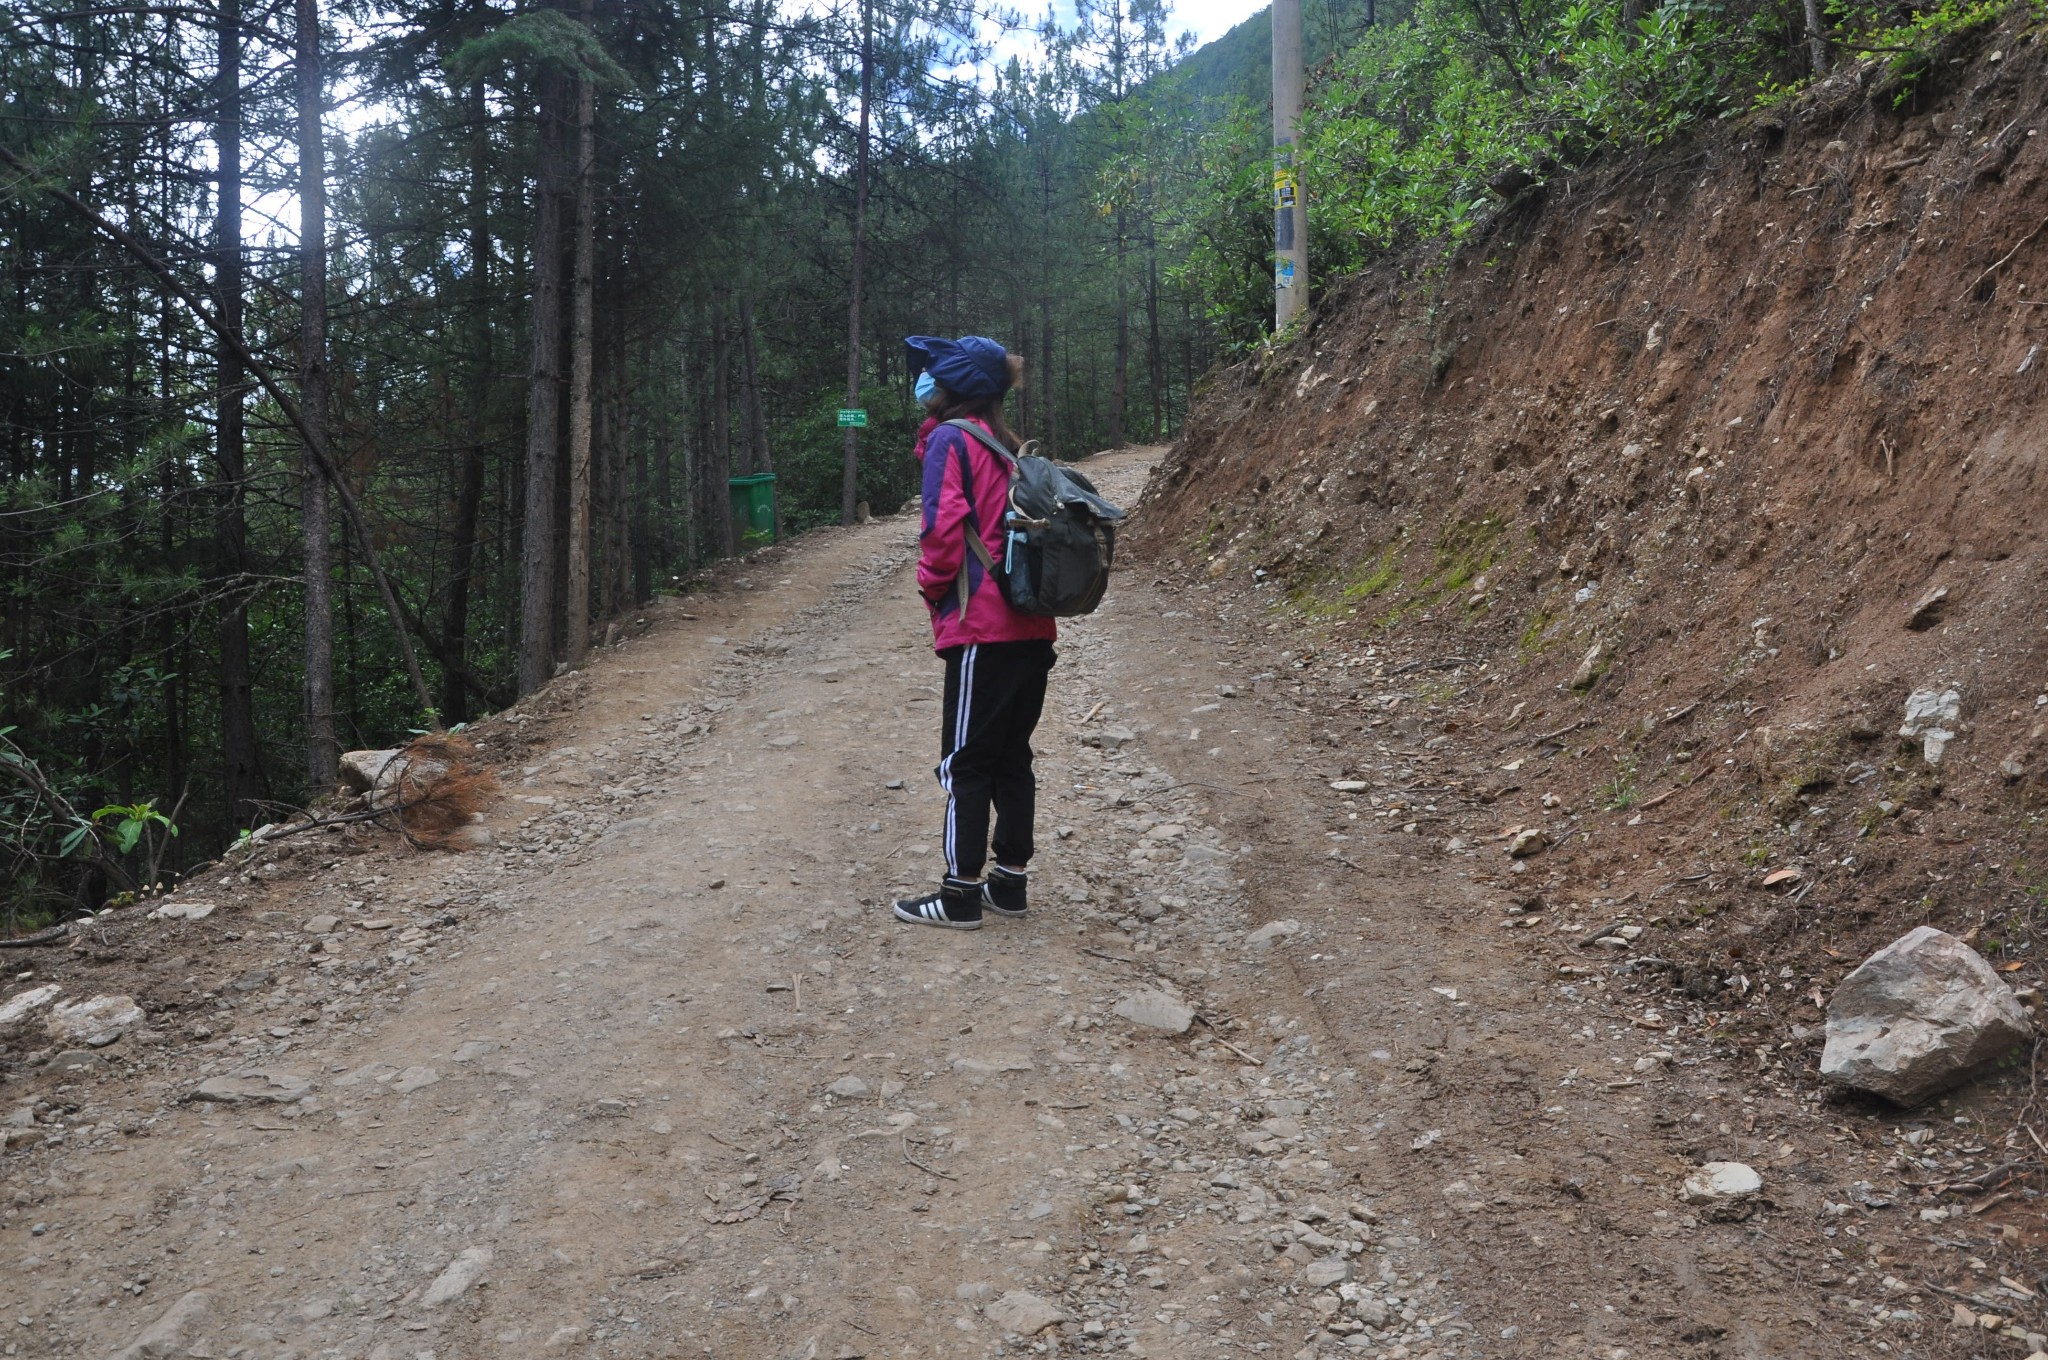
(1109, 738)
(1528, 841)
(172, 1332)
(1724, 1190)
(462, 1273)
(848, 1087)
(476, 1048)
(1928, 611)
(1326, 1273)
(78, 1060)
(1023, 1314)
(1933, 716)
(182, 911)
(1349, 785)
(893, 784)
(1590, 666)
(413, 1079)
(1270, 934)
(253, 1088)
(1156, 1010)
(322, 925)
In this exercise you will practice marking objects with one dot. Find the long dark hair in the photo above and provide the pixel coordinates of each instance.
(988, 409)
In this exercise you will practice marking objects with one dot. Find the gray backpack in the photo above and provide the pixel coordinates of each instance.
(1059, 535)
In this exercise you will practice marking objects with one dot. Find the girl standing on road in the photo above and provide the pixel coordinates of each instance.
(997, 658)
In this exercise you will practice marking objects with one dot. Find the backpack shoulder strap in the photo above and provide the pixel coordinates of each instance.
(986, 440)
(969, 531)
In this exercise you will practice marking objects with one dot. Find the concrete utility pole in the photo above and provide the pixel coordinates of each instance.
(1290, 208)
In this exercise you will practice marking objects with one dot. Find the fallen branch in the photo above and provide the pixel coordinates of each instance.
(2003, 1309)
(904, 1143)
(1240, 1053)
(2003, 260)
(53, 935)
(1560, 732)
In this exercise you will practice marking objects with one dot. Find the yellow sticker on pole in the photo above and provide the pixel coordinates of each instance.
(1286, 187)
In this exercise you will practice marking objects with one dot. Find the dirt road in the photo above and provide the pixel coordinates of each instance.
(656, 1075)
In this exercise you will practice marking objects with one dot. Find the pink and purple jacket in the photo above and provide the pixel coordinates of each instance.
(966, 489)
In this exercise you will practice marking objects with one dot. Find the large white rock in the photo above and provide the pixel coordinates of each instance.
(21, 1005)
(375, 774)
(360, 770)
(1917, 1016)
(1932, 715)
(95, 1022)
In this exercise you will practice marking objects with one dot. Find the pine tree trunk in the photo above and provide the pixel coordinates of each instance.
(695, 456)
(323, 753)
(849, 475)
(241, 775)
(758, 457)
(469, 494)
(641, 528)
(1819, 50)
(544, 398)
(1047, 381)
(718, 467)
(1155, 354)
(662, 546)
(621, 518)
(580, 364)
(1051, 417)
(1120, 377)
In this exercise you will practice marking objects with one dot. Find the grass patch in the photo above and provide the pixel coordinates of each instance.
(1335, 597)
(1619, 793)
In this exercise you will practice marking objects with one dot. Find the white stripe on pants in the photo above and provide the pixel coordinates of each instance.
(960, 728)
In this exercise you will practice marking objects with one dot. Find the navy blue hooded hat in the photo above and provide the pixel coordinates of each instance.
(972, 366)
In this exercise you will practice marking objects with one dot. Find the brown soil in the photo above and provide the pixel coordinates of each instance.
(610, 1050)
(613, 1049)
(1704, 436)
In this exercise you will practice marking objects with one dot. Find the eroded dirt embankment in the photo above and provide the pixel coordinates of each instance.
(1664, 497)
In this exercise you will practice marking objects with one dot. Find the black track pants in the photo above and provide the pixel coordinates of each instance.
(994, 692)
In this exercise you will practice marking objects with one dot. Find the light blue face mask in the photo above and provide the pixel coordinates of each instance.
(925, 386)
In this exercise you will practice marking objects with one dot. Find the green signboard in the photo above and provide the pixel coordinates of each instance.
(853, 418)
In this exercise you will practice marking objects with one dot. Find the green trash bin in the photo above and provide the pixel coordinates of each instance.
(753, 509)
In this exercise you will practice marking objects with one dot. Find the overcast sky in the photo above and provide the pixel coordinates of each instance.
(1209, 20)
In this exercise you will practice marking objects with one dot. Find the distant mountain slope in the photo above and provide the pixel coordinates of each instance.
(1240, 63)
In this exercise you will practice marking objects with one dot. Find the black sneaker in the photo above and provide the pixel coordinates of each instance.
(1003, 894)
(955, 906)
